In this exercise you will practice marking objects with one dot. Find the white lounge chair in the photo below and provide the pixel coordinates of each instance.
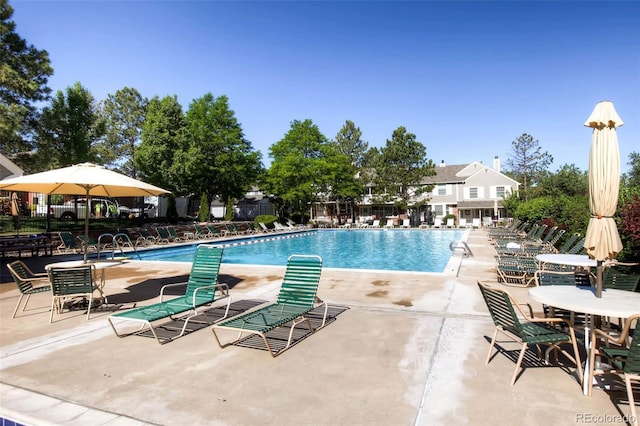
(437, 222)
(406, 223)
(376, 223)
(451, 223)
(475, 223)
(389, 223)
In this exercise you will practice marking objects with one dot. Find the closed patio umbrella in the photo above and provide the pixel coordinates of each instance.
(15, 212)
(82, 179)
(602, 241)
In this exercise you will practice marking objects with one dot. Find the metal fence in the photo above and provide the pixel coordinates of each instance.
(26, 225)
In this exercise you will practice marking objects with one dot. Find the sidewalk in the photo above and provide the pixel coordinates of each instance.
(408, 349)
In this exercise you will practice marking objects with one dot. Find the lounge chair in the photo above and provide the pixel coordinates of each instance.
(389, 224)
(437, 222)
(376, 223)
(451, 223)
(69, 244)
(144, 238)
(28, 282)
(516, 271)
(297, 297)
(201, 232)
(406, 223)
(71, 283)
(513, 322)
(173, 234)
(476, 223)
(202, 289)
(264, 227)
(230, 229)
(163, 235)
(212, 230)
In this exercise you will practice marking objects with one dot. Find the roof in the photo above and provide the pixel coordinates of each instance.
(8, 169)
(479, 204)
(446, 174)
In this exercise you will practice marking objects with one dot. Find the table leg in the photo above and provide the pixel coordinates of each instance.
(587, 379)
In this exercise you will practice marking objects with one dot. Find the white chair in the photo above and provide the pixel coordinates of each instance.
(406, 223)
(451, 223)
(476, 223)
(463, 224)
(437, 222)
(389, 223)
(376, 223)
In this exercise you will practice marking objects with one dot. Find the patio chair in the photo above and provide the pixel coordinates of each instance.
(264, 227)
(513, 322)
(71, 283)
(451, 223)
(201, 232)
(389, 224)
(69, 244)
(568, 243)
(516, 271)
(406, 223)
(625, 358)
(570, 278)
(297, 298)
(376, 223)
(212, 230)
(230, 229)
(144, 238)
(476, 223)
(202, 289)
(28, 282)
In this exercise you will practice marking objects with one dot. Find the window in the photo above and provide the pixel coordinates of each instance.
(442, 189)
(438, 210)
(473, 192)
(500, 191)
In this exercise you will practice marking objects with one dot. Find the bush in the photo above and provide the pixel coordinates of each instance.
(267, 219)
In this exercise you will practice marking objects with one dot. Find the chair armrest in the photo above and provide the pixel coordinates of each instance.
(169, 285)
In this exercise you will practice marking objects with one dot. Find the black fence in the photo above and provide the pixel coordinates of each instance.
(26, 225)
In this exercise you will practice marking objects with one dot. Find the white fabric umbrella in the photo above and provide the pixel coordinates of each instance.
(82, 179)
(602, 241)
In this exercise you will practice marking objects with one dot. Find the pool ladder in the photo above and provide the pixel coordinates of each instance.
(118, 241)
(460, 245)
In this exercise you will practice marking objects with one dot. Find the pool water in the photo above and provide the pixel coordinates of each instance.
(392, 250)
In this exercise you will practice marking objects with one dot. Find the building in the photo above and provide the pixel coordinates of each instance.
(470, 191)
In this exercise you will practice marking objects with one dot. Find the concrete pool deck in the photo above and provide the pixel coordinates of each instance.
(404, 349)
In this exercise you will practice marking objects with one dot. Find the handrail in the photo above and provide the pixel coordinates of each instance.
(116, 244)
(455, 245)
(128, 240)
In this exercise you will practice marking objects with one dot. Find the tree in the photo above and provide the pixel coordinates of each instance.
(634, 173)
(399, 168)
(296, 176)
(346, 180)
(163, 134)
(527, 162)
(569, 180)
(124, 114)
(71, 125)
(24, 72)
(218, 159)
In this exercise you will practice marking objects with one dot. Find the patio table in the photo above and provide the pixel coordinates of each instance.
(567, 259)
(613, 303)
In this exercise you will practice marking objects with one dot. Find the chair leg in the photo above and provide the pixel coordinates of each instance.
(515, 373)
(493, 341)
(18, 305)
(632, 404)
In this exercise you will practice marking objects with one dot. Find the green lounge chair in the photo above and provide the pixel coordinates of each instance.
(523, 328)
(212, 230)
(202, 289)
(163, 235)
(28, 282)
(201, 232)
(173, 234)
(297, 298)
(69, 243)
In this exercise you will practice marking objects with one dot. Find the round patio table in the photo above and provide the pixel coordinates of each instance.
(568, 259)
(613, 303)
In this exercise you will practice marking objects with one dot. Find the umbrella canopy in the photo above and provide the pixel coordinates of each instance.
(82, 179)
(602, 241)
(15, 212)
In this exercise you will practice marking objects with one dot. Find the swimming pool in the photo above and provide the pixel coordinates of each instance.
(392, 250)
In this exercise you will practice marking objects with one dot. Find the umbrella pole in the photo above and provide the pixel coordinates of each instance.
(599, 283)
(87, 213)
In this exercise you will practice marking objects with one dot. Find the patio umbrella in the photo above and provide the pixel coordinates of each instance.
(82, 179)
(602, 241)
(15, 212)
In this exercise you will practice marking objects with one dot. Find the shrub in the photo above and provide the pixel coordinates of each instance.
(267, 219)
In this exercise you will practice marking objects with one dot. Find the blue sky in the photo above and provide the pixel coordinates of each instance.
(467, 78)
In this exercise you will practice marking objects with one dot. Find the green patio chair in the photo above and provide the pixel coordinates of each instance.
(513, 322)
(568, 243)
(163, 235)
(71, 283)
(28, 282)
(213, 231)
(296, 299)
(516, 271)
(202, 290)
(624, 356)
(173, 234)
(201, 232)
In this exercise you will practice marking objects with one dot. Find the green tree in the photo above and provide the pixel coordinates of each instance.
(71, 125)
(399, 168)
(24, 72)
(634, 174)
(569, 180)
(124, 114)
(218, 159)
(297, 173)
(527, 162)
(345, 167)
(163, 134)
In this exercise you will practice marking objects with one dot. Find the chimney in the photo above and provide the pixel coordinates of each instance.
(442, 163)
(496, 163)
